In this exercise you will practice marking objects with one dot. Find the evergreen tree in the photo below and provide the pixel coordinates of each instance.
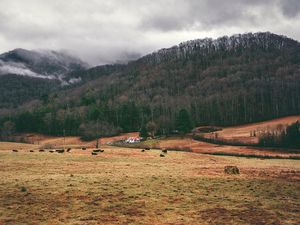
(292, 137)
(144, 132)
(183, 121)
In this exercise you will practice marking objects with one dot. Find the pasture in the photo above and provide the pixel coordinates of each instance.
(127, 186)
(242, 133)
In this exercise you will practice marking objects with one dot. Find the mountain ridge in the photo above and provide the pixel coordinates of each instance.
(256, 79)
(246, 40)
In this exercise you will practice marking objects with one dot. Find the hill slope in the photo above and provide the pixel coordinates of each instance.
(28, 75)
(227, 81)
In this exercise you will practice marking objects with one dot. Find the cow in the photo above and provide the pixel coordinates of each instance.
(60, 150)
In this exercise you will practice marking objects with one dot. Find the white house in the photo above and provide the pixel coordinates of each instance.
(132, 140)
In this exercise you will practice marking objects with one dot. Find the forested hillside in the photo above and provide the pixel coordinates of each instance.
(227, 81)
(16, 90)
(27, 75)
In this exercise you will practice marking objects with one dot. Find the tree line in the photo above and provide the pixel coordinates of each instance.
(256, 81)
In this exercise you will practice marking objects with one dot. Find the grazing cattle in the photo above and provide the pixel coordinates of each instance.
(14, 150)
(31, 151)
(41, 150)
(69, 149)
(84, 148)
(98, 150)
(143, 150)
(162, 155)
(94, 153)
(164, 151)
(60, 150)
(51, 151)
(147, 148)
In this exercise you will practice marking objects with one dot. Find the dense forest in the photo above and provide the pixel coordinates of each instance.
(16, 89)
(227, 81)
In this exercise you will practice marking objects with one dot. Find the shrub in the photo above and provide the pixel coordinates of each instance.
(23, 189)
(231, 170)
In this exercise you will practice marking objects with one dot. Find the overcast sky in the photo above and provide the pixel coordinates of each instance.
(108, 31)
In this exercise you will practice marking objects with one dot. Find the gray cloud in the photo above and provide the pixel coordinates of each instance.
(290, 8)
(207, 14)
(102, 32)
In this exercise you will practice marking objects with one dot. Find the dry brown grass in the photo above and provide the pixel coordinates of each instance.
(203, 147)
(73, 142)
(8, 146)
(127, 186)
(242, 133)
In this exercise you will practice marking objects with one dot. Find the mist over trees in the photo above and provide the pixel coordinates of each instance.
(228, 81)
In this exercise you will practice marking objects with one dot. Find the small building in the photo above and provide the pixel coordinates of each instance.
(132, 140)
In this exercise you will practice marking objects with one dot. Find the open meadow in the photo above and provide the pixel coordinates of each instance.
(127, 186)
(242, 133)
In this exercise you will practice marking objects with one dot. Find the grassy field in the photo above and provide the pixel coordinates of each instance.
(6, 146)
(189, 144)
(242, 133)
(127, 186)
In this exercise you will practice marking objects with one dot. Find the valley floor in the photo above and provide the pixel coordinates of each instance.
(127, 186)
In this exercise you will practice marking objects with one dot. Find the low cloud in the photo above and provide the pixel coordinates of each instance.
(18, 68)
